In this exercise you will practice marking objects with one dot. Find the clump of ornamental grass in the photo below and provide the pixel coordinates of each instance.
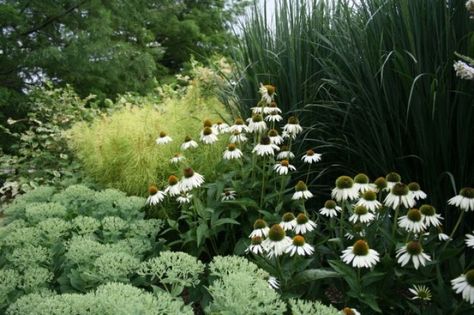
(119, 150)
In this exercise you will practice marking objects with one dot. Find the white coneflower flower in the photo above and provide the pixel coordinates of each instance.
(208, 136)
(255, 246)
(271, 109)
(465, 199)
(399, 195)
(232, 152)
(277, 241)
(177, 158)
(344, 189)
(163, 138)
(273, 283)
(463, 70)
(369, 200)
(470, 240)
(443, 237)
(275, 138)
(265, 147)
(299, 247)
(184, 198)
(283, 167)
(156, 196)
(330, 209)
(239, 126)
(392, 179)
(220, 127)
(412, 251)
(190, 180)
(260, 229)
(293, 127)
(358, 230)
(464, 284)
(429, 216)
(310, 157)
(362, 183)
(360, 255)
(173, 186)
(416, 191)
(285, 154)
(268, 92)
(381, 184)
(304, 224)
(228, 195)
(349, 311)
(361, 214)
(412, 222)
(257, 124)
(273, 117)
(288, 221)
(420, 292)
(301, 191)
(238, 137)
(259, 109)
(188, 144)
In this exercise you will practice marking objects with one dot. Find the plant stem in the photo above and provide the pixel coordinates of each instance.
(457, 224)
(394, 227)
(263, 181)
(307, 176)
(341, 220)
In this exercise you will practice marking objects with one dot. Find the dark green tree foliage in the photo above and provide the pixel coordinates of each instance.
(105, 47)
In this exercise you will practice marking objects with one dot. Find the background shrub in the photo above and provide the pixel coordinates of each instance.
(120, 151)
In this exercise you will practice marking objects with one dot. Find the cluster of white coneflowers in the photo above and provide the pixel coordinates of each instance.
(387, 197)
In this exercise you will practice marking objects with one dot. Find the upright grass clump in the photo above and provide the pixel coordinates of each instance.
(375, 81)
(120, 151)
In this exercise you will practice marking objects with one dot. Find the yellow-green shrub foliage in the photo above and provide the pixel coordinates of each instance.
(119, 150)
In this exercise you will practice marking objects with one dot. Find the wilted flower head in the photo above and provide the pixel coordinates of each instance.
(463, 70)
(268, 92)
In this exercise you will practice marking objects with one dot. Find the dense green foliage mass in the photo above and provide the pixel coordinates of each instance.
(106, 47)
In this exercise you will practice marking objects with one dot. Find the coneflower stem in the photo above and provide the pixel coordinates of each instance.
(457, 224)
(307, 176)
(341, 221)
(263, 182)
(394, 227)
(280, 196)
